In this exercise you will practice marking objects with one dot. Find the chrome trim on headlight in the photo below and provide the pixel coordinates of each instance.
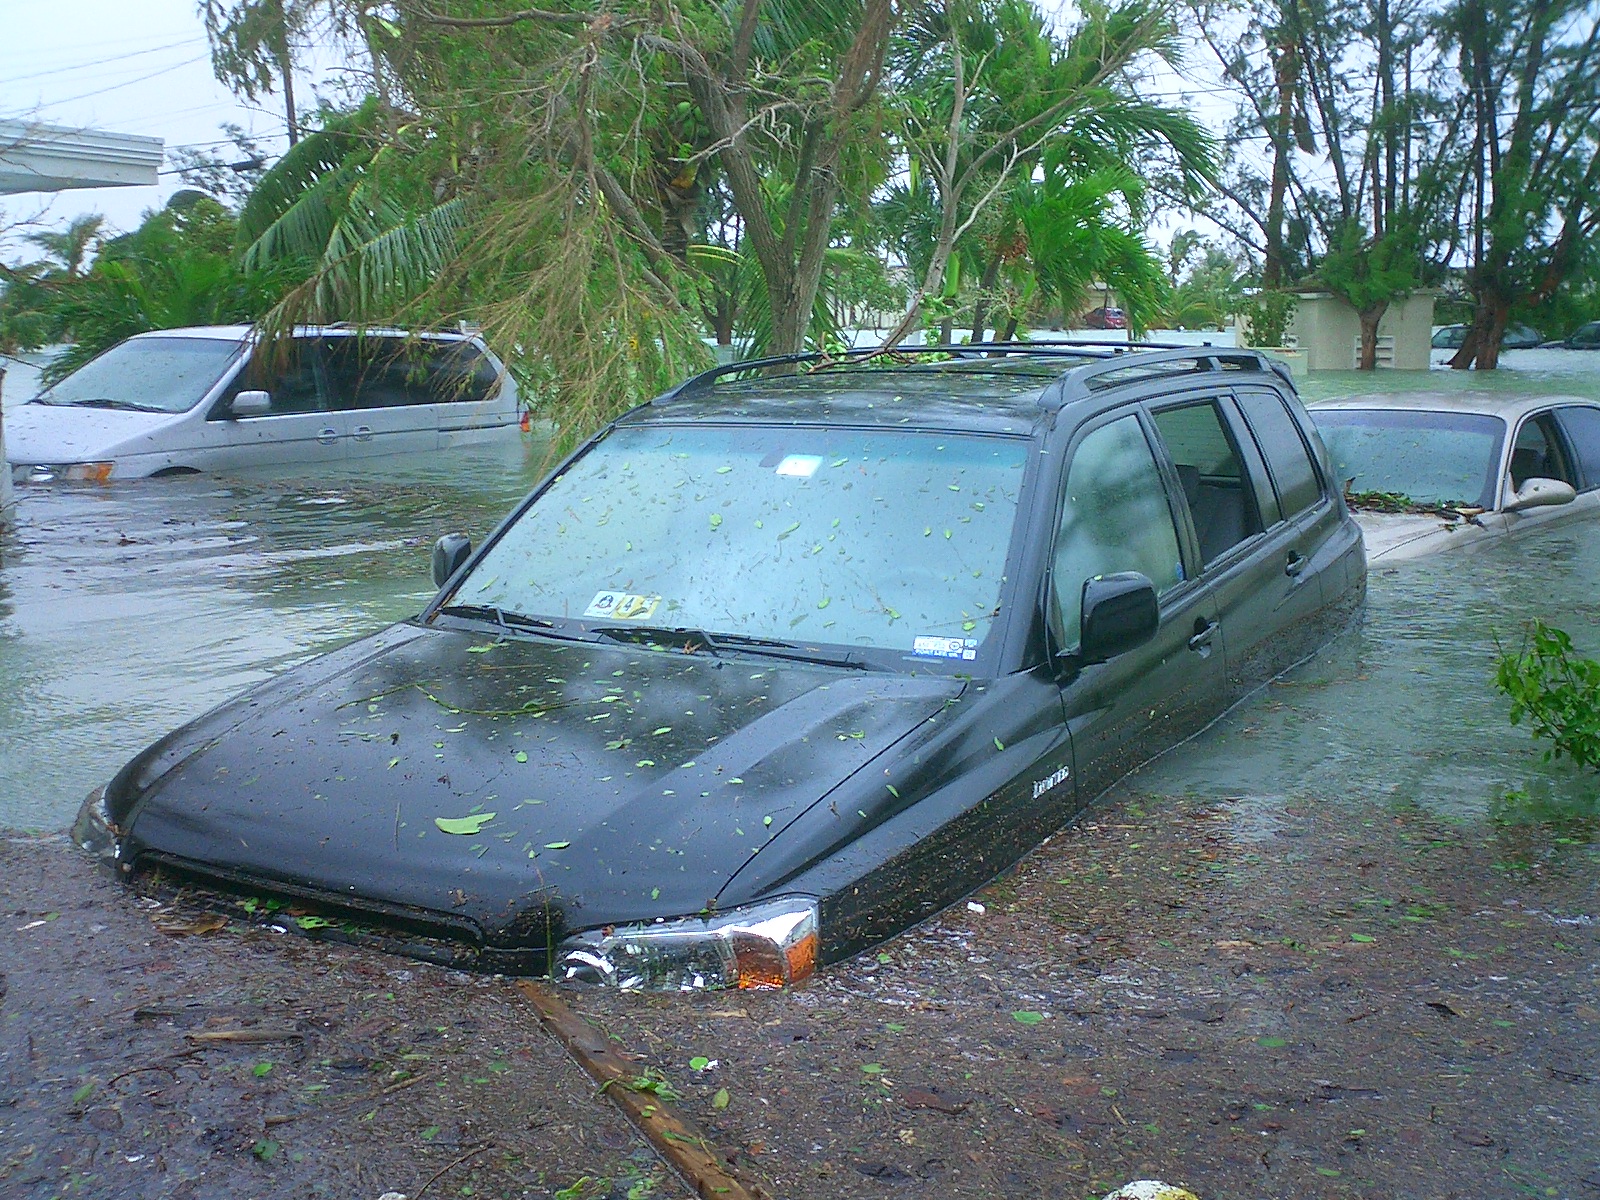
(767, 945)
(94, 832)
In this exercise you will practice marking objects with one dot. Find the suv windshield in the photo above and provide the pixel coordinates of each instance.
(151, 374)
(888, 539)
(1427, 457)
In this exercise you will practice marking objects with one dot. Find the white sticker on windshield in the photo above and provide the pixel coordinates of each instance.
(945, 647)
(801, 466)
(622, 606)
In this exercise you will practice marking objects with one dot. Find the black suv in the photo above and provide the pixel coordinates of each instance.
(776, 665)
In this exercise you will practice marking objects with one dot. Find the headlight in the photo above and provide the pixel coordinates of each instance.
(767, 945)
(85, 472)
(94, 832)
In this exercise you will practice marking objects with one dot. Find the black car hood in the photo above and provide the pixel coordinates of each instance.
(625, 783)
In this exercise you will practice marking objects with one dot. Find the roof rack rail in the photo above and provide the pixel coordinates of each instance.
(1105, 356)
(862, 355)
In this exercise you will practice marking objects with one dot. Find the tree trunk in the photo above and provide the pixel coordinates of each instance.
(1368, 359)
(980, 308)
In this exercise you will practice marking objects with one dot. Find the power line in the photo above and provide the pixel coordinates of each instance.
(126, 82)
(98, 62)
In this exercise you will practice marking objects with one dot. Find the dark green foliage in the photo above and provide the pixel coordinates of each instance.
(1269, 314)
(1557, 692)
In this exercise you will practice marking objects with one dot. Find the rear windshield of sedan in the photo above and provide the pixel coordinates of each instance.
(156, 374)
(1427, 457)
(894, 540)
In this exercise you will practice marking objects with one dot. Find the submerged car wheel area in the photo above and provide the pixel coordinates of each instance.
(775, 666)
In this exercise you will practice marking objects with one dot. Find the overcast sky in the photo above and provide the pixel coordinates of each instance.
(128, 66)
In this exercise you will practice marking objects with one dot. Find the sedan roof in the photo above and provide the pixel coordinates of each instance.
(1509, 407)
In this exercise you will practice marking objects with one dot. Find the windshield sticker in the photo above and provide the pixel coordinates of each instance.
(622, 606)
(801, 466)
(945, 647)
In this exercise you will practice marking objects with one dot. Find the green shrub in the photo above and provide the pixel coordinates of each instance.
(1269, 314)
(1557, 691)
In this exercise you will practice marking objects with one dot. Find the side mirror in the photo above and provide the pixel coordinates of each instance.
(251, 404)
(1540, 493)
(1119, 613)
(449, 553)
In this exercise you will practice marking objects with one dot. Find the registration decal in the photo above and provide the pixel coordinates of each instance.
(622, 606)
(945, 647)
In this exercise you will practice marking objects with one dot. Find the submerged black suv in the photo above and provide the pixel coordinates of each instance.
(775, 666)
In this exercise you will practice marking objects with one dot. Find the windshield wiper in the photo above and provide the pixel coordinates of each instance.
(691, 640)
(107, 402)
(510, 621)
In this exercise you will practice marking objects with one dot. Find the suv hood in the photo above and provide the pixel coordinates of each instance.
(67, 433)
(587, 784)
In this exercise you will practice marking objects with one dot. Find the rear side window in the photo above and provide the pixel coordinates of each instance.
(1582, 427)
(1220, 499)
(1114, 517)
(460, 372)
(375, 372)
(1294, 475)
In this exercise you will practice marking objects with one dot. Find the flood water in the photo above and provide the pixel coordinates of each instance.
(126, 610)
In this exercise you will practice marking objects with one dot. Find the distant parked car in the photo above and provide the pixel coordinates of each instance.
(774, 667)
(1429, 471)
(1106, 318)
(214, 398)
(1584, 337)
(1516, 337)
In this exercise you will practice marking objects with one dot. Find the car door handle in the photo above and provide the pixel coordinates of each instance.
(1295, 563)
(1204, 631)
(328, 436)
(362, 433)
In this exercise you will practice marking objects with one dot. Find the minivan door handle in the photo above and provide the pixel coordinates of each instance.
(328, 436)
(1295, 563)
(1204, 631)
(362, 433)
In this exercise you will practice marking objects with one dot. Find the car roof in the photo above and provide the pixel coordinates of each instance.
(1005, 388)
(240, 333)
(1509, 408)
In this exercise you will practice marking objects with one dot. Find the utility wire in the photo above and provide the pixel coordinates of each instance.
(98, 62)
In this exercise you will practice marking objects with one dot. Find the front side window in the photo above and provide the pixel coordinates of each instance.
(893, 540)
(1537, 453)
(367, 372)
(1114, 517)
(1219, 496)
(148, 374)
(1581, 424)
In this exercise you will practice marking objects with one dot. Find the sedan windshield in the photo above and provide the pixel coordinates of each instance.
(148, 374)
(1431, 458)
(892, 540)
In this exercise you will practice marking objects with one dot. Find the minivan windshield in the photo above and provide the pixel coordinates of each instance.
(148, 374)
(892, 540)
(1426, 457)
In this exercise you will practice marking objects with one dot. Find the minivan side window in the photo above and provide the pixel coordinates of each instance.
(1114, 517)
(1221, 502)
(375, 372)
(460, 372)
(287, 371)
(1294, 475)
(1582, 427)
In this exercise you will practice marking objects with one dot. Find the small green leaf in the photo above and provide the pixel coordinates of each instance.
(83, 1093)
(655, 893)
(720, 1100)
(716, 520)
(999, 745)
(699, 1062)
(1027, 1018)
(309, 923)
(464, 826)
(479, 650)
(659, 732)
(429, 1133)
(264, 1149)
(872, 1068)
(824, 602)
(1272, 1043)
(766, 820)
(261, 1070)
(521, 756)
(893, 791)
(1362, 937)
(556, 845)
(393, 763)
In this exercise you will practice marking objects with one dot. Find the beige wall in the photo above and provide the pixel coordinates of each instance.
(1329, 332)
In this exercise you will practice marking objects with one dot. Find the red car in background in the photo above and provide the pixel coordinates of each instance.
(1105, 318)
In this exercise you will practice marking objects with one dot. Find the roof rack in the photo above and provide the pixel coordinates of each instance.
(1105, 357)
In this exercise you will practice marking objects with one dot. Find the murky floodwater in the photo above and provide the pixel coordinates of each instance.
(126, 610)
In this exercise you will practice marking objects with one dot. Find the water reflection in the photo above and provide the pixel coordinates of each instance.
(127, 610)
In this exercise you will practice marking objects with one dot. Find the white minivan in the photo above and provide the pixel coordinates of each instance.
(214, 398)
